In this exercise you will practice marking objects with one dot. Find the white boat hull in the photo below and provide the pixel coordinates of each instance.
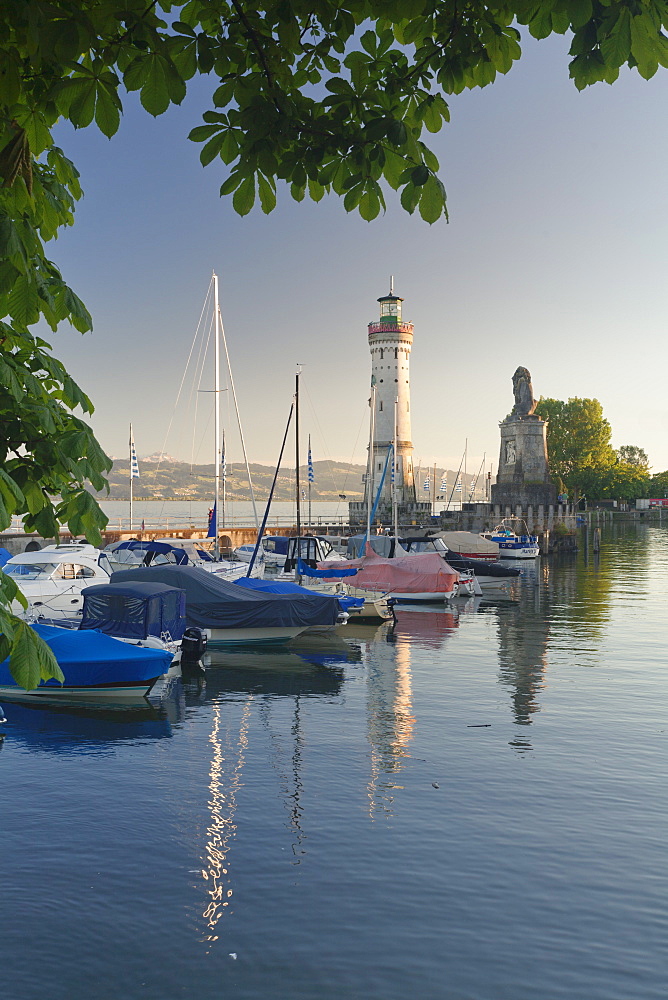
(122, 694)
(218, 637)
(528, 552)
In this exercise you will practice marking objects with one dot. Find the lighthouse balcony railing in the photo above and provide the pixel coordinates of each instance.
(391, 327)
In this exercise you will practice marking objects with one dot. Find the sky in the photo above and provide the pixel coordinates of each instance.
(554, 259)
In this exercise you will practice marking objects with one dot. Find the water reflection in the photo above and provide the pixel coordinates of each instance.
(227, 761)
(84, 730)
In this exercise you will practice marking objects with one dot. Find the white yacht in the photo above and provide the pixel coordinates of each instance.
(53, 578)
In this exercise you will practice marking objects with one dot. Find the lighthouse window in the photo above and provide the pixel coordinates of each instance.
(396, 352)
(380, 406)
(381, 354)
(380, 466)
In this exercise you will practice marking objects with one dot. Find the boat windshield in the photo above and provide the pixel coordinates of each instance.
(31, 571)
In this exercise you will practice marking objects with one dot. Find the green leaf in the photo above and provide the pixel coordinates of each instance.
(369, 205)
(432, 201)
(31, 659)
(243, 198)
(154, 93)
(211, 150)
(267, 194)
(107, 115)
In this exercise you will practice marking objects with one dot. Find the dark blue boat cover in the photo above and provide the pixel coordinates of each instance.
(287, 587)
(93, 659)
(135, 610)
(212, 602)
(154, 548)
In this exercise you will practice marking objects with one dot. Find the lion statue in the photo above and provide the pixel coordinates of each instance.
(525, 404)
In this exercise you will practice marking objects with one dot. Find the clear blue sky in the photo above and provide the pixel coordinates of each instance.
(554, 258)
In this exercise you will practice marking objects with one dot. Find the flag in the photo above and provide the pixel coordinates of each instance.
(213, 523)
(303, 494)
(458, 487)
(223, 460)
(134, 464)
(311, 476)
(444, 483)
(426, 487)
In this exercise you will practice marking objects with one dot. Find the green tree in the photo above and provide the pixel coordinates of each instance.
(633, 455)
(578, 439)
(319, 97)
(658, 486)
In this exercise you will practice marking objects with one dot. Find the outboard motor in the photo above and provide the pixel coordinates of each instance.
(193, 648)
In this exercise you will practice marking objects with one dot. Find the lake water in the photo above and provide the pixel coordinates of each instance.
(471, 805)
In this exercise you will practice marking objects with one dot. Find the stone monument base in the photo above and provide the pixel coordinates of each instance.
(523, 477)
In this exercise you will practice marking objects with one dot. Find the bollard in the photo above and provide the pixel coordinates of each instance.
(597, 540)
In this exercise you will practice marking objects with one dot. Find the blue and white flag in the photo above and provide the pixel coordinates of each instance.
(458, 487)
(444, 483)
(223, 461)
(311, 475)
(134, 464)
(394, 465)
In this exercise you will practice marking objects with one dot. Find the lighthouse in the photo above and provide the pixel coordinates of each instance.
(390, 342)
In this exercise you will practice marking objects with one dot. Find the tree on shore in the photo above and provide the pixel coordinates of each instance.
(580, 453)
(319, 98)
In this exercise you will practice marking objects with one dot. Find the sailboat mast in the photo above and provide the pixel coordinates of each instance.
(298, 578)
(433, 492)
(216, 417)
(131, 477)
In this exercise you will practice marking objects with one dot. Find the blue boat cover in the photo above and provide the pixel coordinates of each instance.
(135, 610)
(287, 587)
(212, 602)
(154, 548)
(307, 570)
(93, 659)
(4, 556)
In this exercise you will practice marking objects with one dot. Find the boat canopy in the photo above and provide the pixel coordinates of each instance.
(93, 659)
(135, 610)
(422, 573)
(287, 587)
(212, 602)
(153, 549)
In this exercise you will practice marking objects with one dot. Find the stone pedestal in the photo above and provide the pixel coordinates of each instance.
(524, 475)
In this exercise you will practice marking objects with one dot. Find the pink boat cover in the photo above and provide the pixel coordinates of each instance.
(414, 573)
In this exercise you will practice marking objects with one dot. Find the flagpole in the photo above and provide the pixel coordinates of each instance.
(433, 492)
(310, 473)
(224, 468)
(131, 478)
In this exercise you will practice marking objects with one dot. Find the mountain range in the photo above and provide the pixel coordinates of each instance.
(170, 480)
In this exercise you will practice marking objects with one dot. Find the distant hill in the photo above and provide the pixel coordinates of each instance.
(180, 481)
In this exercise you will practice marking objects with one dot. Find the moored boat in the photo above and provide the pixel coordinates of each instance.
(232, 615)
(512, 545)
(96, 667)
(54, 577)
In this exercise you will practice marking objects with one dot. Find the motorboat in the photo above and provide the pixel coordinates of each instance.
(346, 603)
(136, 552)
(230, 614)
(406, 578)
(512, 545)
(53, 578)
(489, 574)
(280, 551)
(390, 548)
(97, 668)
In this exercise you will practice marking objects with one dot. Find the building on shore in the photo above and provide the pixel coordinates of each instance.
(390, 343)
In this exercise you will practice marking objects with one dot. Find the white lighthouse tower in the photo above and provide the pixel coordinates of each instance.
(390, 342)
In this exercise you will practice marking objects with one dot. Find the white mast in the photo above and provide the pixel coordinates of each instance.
(131, 477)
(216, 417)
